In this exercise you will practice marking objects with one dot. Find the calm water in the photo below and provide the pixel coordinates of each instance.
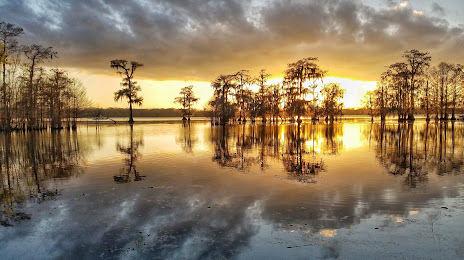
(352, 190)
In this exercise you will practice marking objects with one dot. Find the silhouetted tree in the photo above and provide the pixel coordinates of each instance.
(426, 93)
(263, 95)
(456, 88)
(403, 85)
(30, 97)
(298, 73)
(36, 54)
(332, 105)
(444, 74)
(223, 86)
(129, 86)
(416, 62)
(398, 74)
(186, 100)
(58, 82)
(382, 97)
(275, 100)
(78, 100)
(8, 32)
(243, 79)
(369, 103)
(249, 104)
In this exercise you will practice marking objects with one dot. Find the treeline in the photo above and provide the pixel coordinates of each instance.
(122, 112)
(170, 112)
(302, 93)
(414, 86)
(31, 96)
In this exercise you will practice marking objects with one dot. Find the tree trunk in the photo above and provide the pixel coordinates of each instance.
(6, 113)
(131, 119)
(411, 111)
(30, 106)
(427, 112)
(453, 110)
(446, 104)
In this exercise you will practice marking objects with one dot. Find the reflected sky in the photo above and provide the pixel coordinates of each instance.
(173, 191)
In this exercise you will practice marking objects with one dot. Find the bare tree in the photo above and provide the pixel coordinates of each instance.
(8, 32)
(78, 100)
(416, 62)
(382, 96)
(444, 74)
(426, 95)
(129, 86)
(35, 54)
(243, 79)
(369, 103)
(59, 81)
(458, 74)
(398, 77)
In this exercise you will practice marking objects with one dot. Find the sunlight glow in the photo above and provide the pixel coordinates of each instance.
(403, 4)
(418, 13)
(352, 137)
(161, 93)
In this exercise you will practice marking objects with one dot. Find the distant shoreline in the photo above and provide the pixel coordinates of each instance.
(206, 120)
(171, 112)
(174, 112)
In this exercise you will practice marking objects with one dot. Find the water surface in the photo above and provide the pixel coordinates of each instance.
(352, 190)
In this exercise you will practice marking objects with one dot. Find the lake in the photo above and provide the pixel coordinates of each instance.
(165, 190)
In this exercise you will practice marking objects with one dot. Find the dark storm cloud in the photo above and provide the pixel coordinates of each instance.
(199, 39)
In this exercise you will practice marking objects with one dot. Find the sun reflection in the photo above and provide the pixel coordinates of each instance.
(351, 137)
(328, 232)
(397, 219)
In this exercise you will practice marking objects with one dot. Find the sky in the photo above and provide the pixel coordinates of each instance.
(190, 42)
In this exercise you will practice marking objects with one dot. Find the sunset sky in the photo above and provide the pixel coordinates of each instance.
(188, 42)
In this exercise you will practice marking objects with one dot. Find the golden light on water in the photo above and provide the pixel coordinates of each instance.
(180, 183)
(352, 137)
(397, 219)
(328, 232)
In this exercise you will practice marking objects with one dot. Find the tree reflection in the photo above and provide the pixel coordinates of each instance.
(410, 150)
(416, 150)
(186, 138)
(300, 158)
(29, 161)
(131, 151)
(222, 154)
(242, 147)
(299, 147)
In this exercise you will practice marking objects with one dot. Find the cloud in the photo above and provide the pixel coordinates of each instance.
(438, 9)
(196, 40)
